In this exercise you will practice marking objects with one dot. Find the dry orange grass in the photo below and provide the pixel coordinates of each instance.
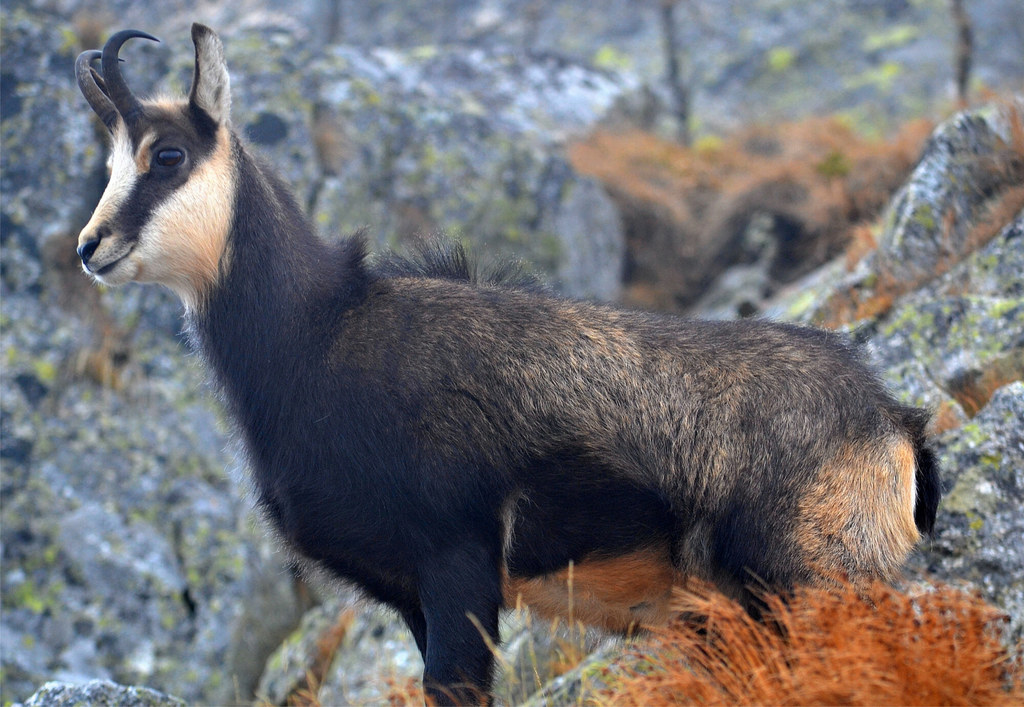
(406, 693)
(833, 166)
(836, 647)
(974, 389)
(877, 646)
(687, 208)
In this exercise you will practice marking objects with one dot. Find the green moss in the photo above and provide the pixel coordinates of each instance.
(991, 460)
(802, 304)
(167, 621)
(27, 596)
(424, 52)
(973, 495)
(911, 322)
(891, 38)
(924, 217)
(45, 371)
(429, 157)
(835, 165)
(1000, 308)
(50, 554)
(781, 58)
(975, 522)
(708, 145)
(985, 325)
(365, 91)
(882, 77)
(608, 57)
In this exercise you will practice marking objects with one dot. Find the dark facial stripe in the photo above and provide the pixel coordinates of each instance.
(173, 128)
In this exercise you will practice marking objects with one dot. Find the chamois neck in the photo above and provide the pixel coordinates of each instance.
(273, 250)
(280, 291)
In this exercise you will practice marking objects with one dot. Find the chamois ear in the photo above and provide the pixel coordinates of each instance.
(211, 85)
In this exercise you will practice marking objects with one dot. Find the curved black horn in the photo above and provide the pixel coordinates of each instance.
(121, 96)
(97, 99)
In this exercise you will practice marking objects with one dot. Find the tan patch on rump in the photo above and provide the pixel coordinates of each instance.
(615, 594)
(857, 519)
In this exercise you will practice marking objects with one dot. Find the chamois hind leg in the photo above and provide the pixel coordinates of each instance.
(460, 589)
(417, 624)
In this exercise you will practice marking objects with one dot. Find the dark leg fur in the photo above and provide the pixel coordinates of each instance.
(417, 624)
(461, 594)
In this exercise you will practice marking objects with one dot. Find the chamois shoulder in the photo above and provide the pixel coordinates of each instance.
(441, 258)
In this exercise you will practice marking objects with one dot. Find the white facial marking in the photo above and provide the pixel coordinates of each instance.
(184, 236)
(123, 177)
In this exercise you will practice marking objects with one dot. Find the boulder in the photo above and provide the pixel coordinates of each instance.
(99, 693)
(940, 310)
(964, 191)
(979, 534)
(469, 143)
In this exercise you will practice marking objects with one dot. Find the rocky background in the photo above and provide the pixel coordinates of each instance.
(129, 550)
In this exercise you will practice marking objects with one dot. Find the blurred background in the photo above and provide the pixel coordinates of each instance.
(852, 163)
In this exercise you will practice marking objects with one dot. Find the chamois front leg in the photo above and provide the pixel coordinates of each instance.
(460, 589)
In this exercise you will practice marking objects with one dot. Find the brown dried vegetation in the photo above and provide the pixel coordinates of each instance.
(973, 388)
(873, 646)
(999, 178)
(830, 647)
(687, 210)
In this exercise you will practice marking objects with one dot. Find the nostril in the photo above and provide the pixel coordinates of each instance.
(86, 250)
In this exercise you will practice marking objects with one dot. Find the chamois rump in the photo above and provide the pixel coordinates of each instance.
(453, 445)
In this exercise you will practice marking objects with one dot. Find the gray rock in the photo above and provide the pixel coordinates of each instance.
(584, 682)
(939, 219)
(951, 340)
(126, 549)
(875, 60)
(469, 143)
(378, 652)
(40, 104)
(931, 219)
(979, 536)
(538, 660)
(99, 693)
(373, 652)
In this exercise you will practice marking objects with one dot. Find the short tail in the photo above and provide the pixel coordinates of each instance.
(929, 488)
(929, 484)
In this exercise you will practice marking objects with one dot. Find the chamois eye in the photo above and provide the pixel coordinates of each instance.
(169, 157)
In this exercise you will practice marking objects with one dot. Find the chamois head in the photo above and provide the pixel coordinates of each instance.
(167, 209)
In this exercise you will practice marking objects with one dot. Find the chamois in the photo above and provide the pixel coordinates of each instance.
(453, 445)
